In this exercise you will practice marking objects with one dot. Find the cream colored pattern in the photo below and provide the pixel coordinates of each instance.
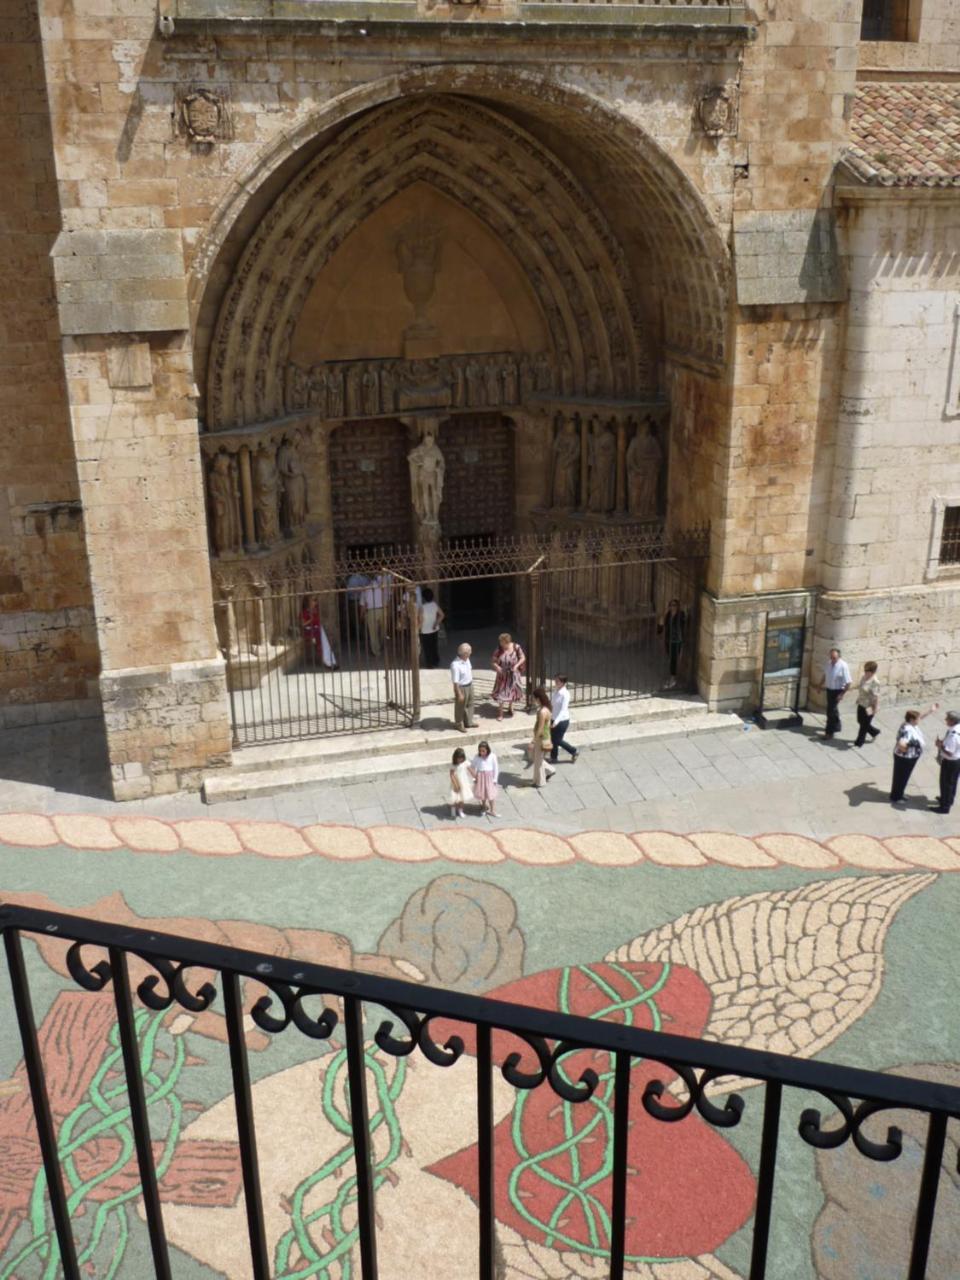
(209, 837)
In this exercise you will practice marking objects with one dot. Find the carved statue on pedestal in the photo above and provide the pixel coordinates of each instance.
(427, 468)
(474, 386)
(353, 398)
(335, 393)
(566, 465)
(510, 382)
(294, 481)
(603, 468)
(644, 461)
(224, 505)
(266, 486)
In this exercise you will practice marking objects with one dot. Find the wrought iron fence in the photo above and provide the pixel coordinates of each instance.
(338, 651)
(583, 1061)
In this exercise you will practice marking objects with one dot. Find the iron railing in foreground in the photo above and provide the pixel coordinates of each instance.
(407, 1011)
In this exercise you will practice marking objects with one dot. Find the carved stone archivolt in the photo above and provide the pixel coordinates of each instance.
(492, 167)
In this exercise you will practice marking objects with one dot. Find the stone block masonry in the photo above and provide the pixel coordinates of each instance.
(165, 725)
(120, 281)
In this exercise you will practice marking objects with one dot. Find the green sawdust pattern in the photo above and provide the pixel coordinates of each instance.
(576, 1188)
(105, 1113)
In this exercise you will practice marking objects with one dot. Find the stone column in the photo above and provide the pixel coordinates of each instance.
(621, 506)
(584, 462)
(246, 500)
(162, 682)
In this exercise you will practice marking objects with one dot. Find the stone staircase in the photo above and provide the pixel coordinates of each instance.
(289, 766)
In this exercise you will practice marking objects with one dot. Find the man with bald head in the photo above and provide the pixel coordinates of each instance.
(461, 673)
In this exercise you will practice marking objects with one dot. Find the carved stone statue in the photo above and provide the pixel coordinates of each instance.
(510, 382)
(594, 376)
(371, 391)
(491, 381)
(266, 493)
(566, 465)
(603, 468)
(566, 374)
(388, 399)
(294, 481)
(544, 373)
(644, 460)
(474, 386)
(224, 505)
(335, 392)
(457, 390)
(527, 382)
(427, 468)
(354, 381)
(317, 393)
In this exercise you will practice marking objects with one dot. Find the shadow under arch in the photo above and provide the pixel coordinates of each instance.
(683, 243)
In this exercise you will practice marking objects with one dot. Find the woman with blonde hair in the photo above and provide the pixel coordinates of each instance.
(509, 663)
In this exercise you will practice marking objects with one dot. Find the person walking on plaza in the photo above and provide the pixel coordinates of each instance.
(948, 753)
(868, 703)
(907, 751)
(430, 619)
(461, 673)
(541, 744)
(509, 663)
(461, 788)
(673, 628)
(560, 721)
(485, 771)
(836, 676)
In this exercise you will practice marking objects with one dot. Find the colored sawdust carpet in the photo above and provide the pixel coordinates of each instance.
(777, 943)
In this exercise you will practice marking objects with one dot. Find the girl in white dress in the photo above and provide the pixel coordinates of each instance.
(485, 771)
(461, 787)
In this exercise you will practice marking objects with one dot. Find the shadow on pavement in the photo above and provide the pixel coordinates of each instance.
(70, 757)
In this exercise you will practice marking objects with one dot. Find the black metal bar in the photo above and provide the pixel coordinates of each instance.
(621, 1135)
(765, 1177)
(138, 1112)
(360, 1124)
(246, 1129)
(485, 1196)
(927, 1201)
(722, 1059)
(41, 1103)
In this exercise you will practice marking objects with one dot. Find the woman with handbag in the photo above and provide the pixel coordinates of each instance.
(542, 744)
(907, 750)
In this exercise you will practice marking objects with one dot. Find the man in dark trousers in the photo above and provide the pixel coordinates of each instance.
(949, 753)
(836, 676)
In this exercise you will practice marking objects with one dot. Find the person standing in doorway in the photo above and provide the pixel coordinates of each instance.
(429, 619)
(868, 703)
(560, 721)
(461, 673)
(907, 750)
(372, 610)
(836, 677)
(540, 746)
(948, 753)
(673, 628)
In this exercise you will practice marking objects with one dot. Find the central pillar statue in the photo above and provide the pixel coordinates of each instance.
(427, 470)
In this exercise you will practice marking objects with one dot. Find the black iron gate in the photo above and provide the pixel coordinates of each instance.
(332, 652)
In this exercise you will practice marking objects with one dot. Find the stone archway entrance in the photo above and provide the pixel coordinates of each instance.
(436, 273)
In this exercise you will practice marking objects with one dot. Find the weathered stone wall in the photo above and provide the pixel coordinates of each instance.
(48, 651)
(934, 44)
(897, 457)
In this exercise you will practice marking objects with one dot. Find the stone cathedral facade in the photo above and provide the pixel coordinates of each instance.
(676, 264)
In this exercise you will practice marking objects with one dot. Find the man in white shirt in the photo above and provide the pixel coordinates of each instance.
(560, 720)
(836, 676)
(461, 673)
(372, 611)
(949, 748)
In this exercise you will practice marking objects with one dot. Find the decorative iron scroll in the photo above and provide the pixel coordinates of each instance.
(485, 1028)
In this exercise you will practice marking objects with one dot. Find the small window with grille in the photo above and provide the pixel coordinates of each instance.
(950, 537)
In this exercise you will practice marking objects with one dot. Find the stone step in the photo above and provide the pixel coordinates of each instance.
(293, 770)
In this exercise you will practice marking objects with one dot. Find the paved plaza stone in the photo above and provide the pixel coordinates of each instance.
(745, 886)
